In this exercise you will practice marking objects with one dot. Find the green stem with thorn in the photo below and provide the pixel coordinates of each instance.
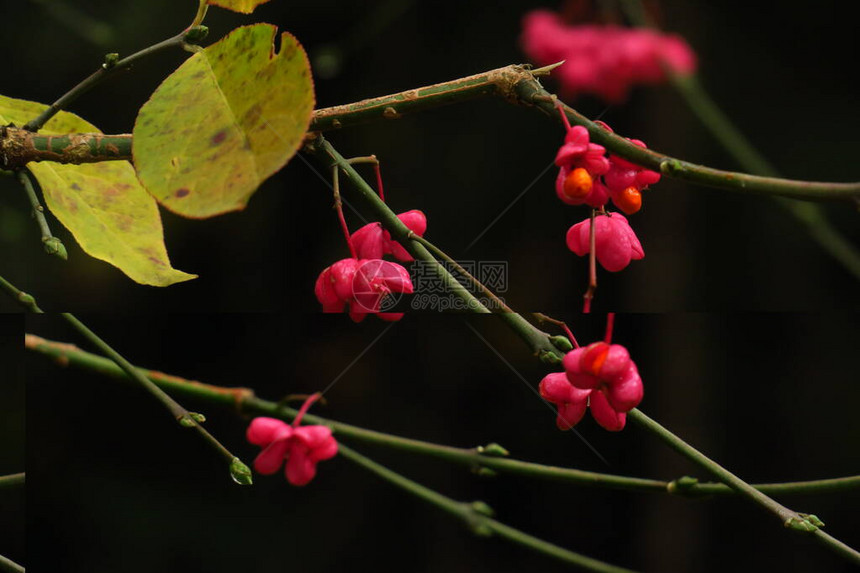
(518, 84)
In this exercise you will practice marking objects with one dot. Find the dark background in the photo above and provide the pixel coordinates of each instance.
(115, 485)
(12, 516)
(783, 75)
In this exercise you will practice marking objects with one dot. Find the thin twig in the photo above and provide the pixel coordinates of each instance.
(477, 515)
(7, 564)
(52, 245)
(187, 37)
(25, 300)
(183, 416)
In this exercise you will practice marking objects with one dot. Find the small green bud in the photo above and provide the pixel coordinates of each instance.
(561, 342)
(493, 449)
(482, 508)
(197, 417)
(485, 472)
(682, 485)
(671, 166)
(812, 518)
(54, 246)
(196, 34)
(187, 421)
(801, 524)
(479, 510)
(110, 60)
(240, 473)
(548, 357)
(26, 299)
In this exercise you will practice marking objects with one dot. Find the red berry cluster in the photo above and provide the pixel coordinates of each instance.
(302, 447)
(587, 176)
(367, 284)
(603, 60)
(599, 375)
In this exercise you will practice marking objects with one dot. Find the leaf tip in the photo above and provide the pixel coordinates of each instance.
(241, 6)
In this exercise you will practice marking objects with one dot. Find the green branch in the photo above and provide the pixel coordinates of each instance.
(51, 244)
(477, 515)
(9, 565)
(244, 400)
(12, 480)
(491, 457)
(498, 82)
(239, 471)
(19, 146)
(517, 84)
(532, 92)
(25, 300)
(806, 523)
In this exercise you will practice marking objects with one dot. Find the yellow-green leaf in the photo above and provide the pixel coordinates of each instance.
(228, 118)
(103, 205)
(243, 6)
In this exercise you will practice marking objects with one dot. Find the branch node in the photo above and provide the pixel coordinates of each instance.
(803, 523)
(493, 450)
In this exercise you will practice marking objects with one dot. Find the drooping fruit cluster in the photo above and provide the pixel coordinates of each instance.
(599, 375)
(615, 243)
(603, 60)
(362, 287)
(367, 284)
(588, 177)
(301, 446)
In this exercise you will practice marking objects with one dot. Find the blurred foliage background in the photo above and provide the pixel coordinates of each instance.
(115, 485)
(781, 74)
